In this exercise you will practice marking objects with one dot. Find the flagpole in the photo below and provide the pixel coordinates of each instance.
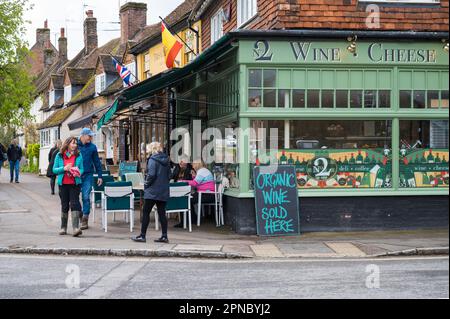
(137, 79)
(165, 23)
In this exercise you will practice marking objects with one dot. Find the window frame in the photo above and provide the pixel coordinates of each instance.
(245, 15)
(67, 94)
(216, 23)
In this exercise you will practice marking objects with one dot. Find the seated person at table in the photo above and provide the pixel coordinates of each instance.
(203, 182)
(182, 171)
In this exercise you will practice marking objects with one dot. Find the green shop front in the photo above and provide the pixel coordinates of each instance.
(366, 128)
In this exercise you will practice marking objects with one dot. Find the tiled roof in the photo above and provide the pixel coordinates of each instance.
(57, 118)
(78, 76)
(107, 63)
(88, 91)
(58, 81)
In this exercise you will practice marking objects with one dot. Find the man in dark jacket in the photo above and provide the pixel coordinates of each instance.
(156, 192)
(92, 165)
(182, 171)
(14, 156)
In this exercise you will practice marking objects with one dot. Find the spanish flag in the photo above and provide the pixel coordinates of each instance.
(171, 46)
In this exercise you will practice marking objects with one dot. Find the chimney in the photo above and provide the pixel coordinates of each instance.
(49, 55)
(133, 17)
(62, 46)
(90, 32)
(43, 35)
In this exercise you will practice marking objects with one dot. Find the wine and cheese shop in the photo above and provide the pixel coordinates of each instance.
(362, 116)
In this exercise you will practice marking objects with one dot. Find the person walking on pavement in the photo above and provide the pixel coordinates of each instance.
(51, 161)
(92, 165)
(68, 168)
(156, 192)
(3, 156)
(14, 156)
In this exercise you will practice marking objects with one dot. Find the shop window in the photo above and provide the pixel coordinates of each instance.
(313, 98)
(370, 99)
(255, 78)
(298, 98)
(333, 154)
(384, 99)
(270, 78)
(327, 99)
(419, 100)
(342, 99)
(255, 98)
(270, 99)
(405, 99)
(444, 99)
(433, 99)
(424, 154)
(356, 99)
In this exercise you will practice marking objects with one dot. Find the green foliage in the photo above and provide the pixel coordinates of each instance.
(32, 154)
(16, 89)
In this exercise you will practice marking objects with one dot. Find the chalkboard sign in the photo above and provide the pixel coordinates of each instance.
(128, 167)
(276, 196)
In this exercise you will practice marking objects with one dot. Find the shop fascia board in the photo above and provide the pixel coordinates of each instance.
(314, 193)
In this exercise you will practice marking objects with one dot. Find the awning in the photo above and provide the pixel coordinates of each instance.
(147, 88)
(87, 119)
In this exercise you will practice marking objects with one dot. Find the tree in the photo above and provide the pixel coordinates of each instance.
(16, 88)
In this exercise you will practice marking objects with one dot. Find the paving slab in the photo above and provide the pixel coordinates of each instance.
(198, 247)
(267, 251)
(346, 249)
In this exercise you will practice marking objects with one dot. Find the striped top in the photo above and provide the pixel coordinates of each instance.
(204, 181)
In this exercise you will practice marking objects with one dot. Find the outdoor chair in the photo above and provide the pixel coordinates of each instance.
(137, 180)
(179, 202)
(218, 204)
(97, 191)
(118, 198)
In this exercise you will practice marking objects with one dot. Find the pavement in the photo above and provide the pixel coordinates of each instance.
(30, 221)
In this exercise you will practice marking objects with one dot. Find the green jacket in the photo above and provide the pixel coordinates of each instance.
(58, 168)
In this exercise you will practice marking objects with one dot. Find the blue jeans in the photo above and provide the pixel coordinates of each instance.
(86, 189)
(14, 166)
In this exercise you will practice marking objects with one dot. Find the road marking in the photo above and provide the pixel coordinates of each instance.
(267, 251)
(346, 249)
(112, 281)
(14, 211)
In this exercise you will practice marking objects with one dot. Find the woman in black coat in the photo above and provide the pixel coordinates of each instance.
(156, 192)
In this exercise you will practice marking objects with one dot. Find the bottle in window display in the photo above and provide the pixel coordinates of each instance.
(359, 158)
(366, 180)
(425, 179)
(291, 160)
(374, 159)
(345, 160)
(430, 158)
(367, 159)
(283, 158)
(379, 181)
(297, 163)
(352, 159)
(438, 159)
(423, 160)
(444, 160)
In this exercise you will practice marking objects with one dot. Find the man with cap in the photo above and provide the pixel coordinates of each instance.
(92, 165)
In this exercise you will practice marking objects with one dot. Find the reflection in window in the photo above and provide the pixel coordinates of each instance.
(342, 99)
(356, 97)
(313, 98)
(384, 99)
(270, 78)
(405, 99)
(328, 99)
(299, 98)
(419, 99)
(433, 99)
(444, 98)
(255, 78)
(270, 98)
(370, 99)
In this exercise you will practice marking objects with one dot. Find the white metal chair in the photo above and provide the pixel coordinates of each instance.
(218, 204)
(179, 202)
(118, 198)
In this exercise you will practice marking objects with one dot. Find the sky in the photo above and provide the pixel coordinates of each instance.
(69, 14)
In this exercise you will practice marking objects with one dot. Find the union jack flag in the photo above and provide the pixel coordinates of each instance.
(124, 73)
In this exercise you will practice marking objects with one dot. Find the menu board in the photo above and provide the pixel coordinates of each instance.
(277, 202)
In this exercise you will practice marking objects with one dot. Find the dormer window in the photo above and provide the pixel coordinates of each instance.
(67, 94)
(51, 97)
(100, 83)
